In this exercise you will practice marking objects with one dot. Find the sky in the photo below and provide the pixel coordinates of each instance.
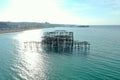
(88, 12)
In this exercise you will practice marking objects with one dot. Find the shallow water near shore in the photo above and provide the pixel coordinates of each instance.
(100, 63)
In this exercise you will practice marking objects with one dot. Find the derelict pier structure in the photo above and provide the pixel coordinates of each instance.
(60, 41)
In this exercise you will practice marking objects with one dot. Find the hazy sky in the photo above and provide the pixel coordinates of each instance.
(61, 11)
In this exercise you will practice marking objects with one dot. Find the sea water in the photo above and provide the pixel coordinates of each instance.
(102, 62)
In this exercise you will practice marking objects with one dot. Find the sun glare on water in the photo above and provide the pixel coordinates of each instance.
(32, 61)
(31, 35)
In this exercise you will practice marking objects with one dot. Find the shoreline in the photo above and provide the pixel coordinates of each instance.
(11, 31)
(19, 30)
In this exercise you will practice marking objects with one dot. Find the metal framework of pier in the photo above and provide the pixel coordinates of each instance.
(60, 41)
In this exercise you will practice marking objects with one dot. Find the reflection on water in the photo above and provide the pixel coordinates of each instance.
(59, 41)
(31, 64)
(30, 35)
(20, 62)
(47, 48)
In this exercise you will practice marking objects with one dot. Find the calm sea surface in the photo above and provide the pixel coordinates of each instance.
(102, 62)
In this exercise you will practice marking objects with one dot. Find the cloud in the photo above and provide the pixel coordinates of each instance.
(115, 13)
(31, 10)
(111, 6)
(40, 11)
(109, 3)
(82, 6)
(61, 11)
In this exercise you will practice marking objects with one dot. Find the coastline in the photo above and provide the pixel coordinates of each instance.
(19, 30)
(11, 31)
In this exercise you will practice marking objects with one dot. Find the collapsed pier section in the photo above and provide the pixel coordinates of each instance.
(61, 40)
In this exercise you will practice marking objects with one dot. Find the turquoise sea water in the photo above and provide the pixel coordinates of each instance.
(102, 62)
